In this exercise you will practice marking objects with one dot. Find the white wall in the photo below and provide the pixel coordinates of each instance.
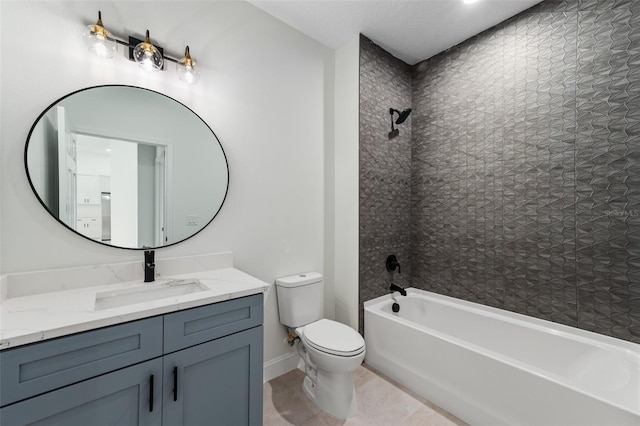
(347, 81)
(263, 91)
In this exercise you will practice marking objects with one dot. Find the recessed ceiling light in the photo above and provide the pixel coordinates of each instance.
(469, 1)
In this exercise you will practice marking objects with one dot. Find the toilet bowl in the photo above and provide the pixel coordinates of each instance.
(331, 351)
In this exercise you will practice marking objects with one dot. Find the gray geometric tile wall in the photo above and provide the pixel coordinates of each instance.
(608, 167)
(524, 167)
(385, 171)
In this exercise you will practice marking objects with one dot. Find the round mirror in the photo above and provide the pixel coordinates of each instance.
(126, 167)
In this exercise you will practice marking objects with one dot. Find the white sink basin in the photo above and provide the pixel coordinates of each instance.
(147, 292)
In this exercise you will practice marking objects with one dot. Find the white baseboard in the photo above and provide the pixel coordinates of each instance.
(280, 365)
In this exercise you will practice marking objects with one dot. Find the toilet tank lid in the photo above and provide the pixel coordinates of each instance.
(299, 279)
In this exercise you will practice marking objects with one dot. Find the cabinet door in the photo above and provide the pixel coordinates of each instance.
(88, 189)
(124, 397)
(215, 383)
(90, 227)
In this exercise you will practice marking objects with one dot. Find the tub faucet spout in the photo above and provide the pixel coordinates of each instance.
(399, 289)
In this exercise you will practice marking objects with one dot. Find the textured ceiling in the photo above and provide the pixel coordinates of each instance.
(411, 30)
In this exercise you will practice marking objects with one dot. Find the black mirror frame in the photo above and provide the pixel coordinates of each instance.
(46, 110)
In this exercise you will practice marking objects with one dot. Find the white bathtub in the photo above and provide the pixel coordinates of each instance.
(489, 366)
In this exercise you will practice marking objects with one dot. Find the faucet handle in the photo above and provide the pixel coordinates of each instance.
(392, 263)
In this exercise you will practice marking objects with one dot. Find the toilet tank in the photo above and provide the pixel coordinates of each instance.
(300, 299)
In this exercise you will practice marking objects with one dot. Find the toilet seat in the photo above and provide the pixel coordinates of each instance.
(333, 338)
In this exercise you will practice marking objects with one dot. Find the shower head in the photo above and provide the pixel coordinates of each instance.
(402, 116)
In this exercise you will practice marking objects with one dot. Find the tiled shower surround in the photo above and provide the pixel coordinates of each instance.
(385, 171)
(524, 168)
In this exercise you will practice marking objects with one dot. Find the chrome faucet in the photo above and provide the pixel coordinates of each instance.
(149, 266)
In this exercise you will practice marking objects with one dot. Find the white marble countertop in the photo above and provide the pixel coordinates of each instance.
(37, 317)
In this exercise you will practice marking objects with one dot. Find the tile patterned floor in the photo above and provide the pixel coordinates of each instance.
(381, 402)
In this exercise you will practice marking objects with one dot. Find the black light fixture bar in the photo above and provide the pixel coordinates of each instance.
(133, 42)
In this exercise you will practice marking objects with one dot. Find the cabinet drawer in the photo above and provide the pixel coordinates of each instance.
(193, 326)
(41, 367)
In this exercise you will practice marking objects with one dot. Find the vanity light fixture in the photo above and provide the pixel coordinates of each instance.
(147, 55)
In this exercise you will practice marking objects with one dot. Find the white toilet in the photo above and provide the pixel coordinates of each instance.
(331, 351)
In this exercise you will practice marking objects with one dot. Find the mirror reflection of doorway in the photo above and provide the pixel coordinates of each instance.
(114, 203)
(160, 193)
(67, 170)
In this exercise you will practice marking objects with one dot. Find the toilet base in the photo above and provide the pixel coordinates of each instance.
(334, 393)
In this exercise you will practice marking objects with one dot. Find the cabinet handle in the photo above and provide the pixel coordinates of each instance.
(175, 383)
(151, 394)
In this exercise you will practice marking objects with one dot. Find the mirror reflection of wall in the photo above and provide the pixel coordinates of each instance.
(44, 156)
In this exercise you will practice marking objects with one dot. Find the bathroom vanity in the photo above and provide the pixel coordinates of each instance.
(193, 358)
(97, 345)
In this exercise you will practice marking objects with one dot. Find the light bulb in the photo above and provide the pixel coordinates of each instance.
(99, 40)
(187, 69)
(148, 56)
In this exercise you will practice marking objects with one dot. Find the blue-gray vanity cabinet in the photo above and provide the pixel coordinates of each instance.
(215, 383)
(123, 397)
(30, 370)
(206, 364)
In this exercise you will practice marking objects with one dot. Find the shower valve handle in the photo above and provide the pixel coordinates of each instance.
(392, 263)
